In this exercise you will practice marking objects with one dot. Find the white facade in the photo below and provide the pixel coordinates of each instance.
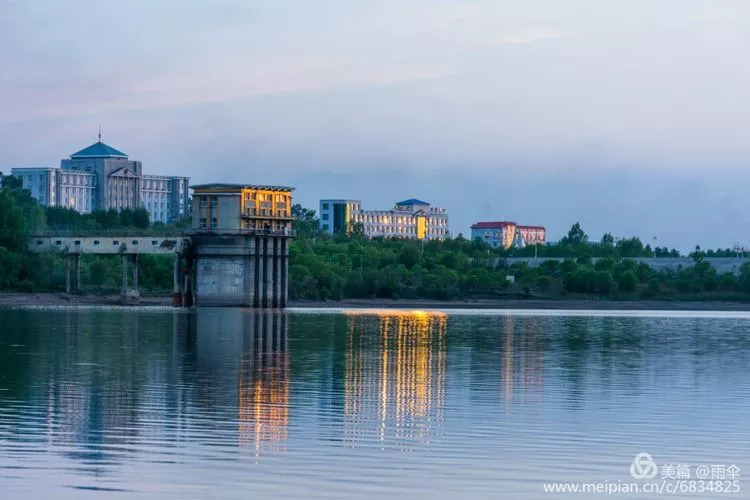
(410, 219)
(100, 178)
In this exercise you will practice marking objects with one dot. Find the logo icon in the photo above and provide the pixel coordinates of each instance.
(643, 467)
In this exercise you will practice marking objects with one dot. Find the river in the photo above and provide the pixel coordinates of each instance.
(232, 403)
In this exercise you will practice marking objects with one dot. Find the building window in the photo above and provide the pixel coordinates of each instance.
(135, 242)
(203, 202)
(77, 242)
(325, 227)
(325, 206)
(214, 223)
(203, 223)
(214, 201)
(115, 242)
(96, 242)
(324, 217)
(38, 242)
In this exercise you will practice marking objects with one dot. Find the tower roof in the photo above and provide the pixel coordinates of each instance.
(412, 201)
(99, 150)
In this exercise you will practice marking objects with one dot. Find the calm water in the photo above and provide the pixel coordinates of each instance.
(111, 403)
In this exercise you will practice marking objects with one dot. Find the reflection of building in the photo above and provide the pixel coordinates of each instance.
(100, 177)
(264, 382)
(522, 363)
(506, 234)
(409, 219)
(394, 381)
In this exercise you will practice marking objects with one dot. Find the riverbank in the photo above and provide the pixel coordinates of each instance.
(17, 299)
(14, 299)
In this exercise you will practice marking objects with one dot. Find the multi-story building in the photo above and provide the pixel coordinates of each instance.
(506, 234)
(165, 198)
(336, 216)
(410, 219)
(101, 177)
(242, 207)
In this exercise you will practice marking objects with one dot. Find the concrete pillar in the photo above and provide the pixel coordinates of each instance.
(176, 294)
(277, 272)
(78, 272)
(284, 273)
(67, 274)
(260, 279)
(135, 272)
(250, 275)
(124, 272)
(268, 277)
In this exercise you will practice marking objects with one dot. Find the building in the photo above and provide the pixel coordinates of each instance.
(504, 234)
(242, 207)
(336, 216)
(101, 177)
(410, 219)
(240, 238)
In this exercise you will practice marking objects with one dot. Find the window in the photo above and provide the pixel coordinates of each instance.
(214, 223)
(214, 201)
(38, 242)
(115, 242)
(325, 206)
(203, 223)
(325, 227)
(135, 242)
(154, 242)
(96, 242)
(324, 217)
(77, 242)
(203, 202)
(58, 242)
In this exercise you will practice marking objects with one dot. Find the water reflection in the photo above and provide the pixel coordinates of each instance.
(395, 369)
(209, 403)
(264, 381)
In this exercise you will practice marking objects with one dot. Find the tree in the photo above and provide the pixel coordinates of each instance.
(576, 236)
(608, 240)
(305, 222)
(627, 281)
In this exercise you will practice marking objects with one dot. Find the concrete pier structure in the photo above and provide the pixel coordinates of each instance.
(240, 245)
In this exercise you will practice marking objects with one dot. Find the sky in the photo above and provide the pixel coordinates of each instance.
(627, 116)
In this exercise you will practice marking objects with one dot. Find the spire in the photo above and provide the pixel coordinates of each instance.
(100, 132)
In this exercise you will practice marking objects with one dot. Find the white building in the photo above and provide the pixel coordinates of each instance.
(100, 177)
(410, 219)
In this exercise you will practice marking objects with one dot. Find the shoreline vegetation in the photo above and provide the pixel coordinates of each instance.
(26, 299)
(349, 269)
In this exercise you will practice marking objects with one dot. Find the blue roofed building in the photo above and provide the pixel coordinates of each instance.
(100, 177)
(408, 219)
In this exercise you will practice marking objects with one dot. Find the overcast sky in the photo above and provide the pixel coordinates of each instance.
(628, 116)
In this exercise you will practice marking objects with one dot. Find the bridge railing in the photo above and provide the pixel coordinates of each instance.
(69, 233)
(260, 232)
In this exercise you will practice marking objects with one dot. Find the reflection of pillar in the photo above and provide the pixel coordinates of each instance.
(124, 272)
(78, 272)
(67, 274)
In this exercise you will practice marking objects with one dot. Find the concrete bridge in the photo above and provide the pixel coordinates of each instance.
(247, 268)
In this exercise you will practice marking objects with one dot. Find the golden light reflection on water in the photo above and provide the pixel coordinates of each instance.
(395, 368)
(264, 384)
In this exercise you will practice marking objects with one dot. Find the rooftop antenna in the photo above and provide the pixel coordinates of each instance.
(100, 132)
